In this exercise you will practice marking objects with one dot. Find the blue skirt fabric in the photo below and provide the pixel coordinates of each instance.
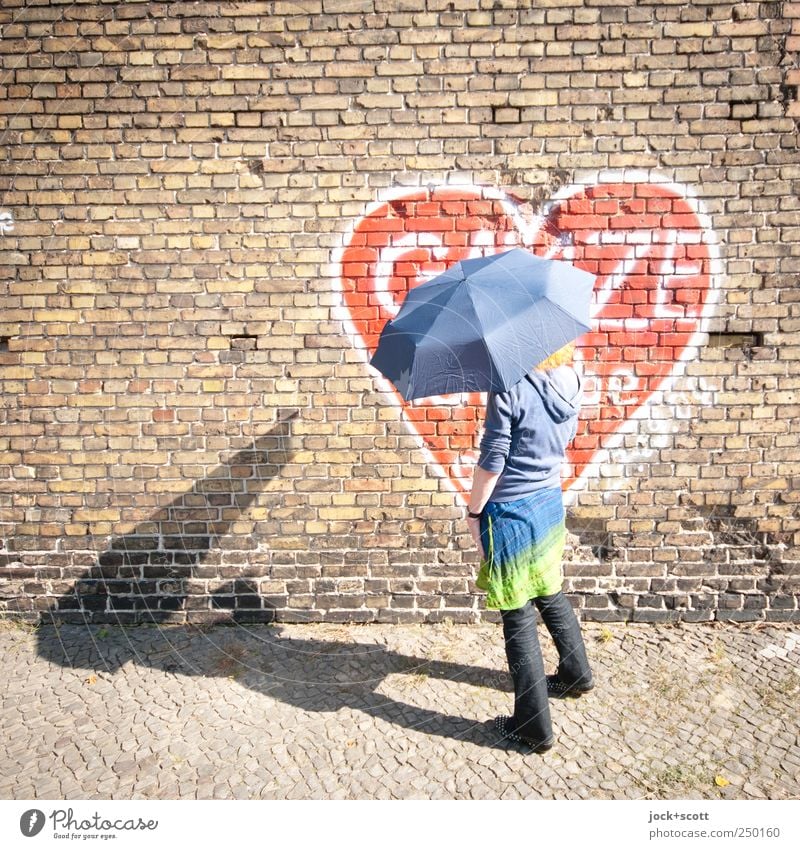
(523, 541)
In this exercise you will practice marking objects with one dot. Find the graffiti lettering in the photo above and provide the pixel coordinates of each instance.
(646, 240)
(6, 222)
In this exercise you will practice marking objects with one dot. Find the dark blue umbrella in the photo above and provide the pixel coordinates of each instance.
(483, 324)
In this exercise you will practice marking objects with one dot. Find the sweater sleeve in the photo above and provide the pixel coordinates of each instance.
(496, 440)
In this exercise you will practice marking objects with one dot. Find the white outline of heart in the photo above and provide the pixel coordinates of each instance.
(527, 232)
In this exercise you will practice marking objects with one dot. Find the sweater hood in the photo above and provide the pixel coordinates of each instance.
(560, 390)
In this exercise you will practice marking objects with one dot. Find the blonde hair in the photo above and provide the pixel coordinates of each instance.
(563, 356)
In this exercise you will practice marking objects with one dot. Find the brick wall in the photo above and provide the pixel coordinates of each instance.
(207, 211)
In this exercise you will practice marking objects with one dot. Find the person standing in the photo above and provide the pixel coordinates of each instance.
(516, 517)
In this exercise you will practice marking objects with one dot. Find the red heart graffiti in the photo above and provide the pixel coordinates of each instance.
(648, 244)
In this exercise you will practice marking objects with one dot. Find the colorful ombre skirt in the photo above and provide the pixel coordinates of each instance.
(524, 542)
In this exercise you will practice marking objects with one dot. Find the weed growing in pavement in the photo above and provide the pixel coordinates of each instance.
(11, 624)
(229, 662)
(773, 693)
(605, 635)
(669, 687)
(719, 670)
(668, 782)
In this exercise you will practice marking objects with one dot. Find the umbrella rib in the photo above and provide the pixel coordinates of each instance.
(482, 336)
(569, 315)
(411, 307)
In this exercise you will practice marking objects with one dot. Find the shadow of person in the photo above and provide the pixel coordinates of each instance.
(155, 574)
(308, 673)
(157, 571)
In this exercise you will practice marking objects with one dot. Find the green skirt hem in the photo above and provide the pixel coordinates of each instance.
(530, 574)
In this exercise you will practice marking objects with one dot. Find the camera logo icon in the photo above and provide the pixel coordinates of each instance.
(31, 822)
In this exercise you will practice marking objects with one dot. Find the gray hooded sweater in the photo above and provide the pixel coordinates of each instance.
(527, 430)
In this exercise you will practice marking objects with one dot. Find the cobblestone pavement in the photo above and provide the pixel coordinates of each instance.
(388, 711)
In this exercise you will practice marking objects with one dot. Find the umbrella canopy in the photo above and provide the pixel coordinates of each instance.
(482, 324)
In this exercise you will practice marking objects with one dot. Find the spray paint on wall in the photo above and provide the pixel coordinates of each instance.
(647, 241)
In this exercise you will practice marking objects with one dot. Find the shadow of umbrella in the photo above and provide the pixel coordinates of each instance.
(146, 575)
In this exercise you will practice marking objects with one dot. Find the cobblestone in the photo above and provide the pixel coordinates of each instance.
(389, 711)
